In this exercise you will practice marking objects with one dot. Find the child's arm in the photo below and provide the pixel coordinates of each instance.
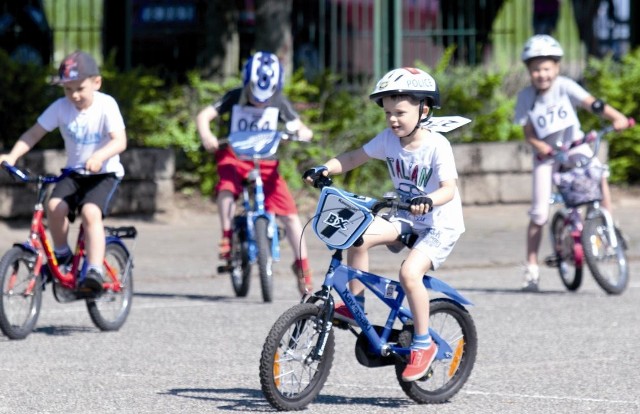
(346, 161)
(304, 132)
(540, 147)
(203, 121)
(608, 112)
(26, 141)
(115, 146)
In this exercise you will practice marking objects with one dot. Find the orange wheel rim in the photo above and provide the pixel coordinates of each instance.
(457, 357)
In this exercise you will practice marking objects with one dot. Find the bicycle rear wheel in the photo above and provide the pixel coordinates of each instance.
(109, 311)
(608, 265)
(265, 258)
(21, 297)
(445, 376)
(290, 380)
(566, 252)
(240, 265)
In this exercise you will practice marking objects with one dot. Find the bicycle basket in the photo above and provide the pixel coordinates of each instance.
(580, 184)
(255, 144)
(341, 217)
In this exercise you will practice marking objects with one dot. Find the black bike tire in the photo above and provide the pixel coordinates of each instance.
(467, 360)
(19, 259)
(241, 266)
(571, 282)
(118, 257)
(299, 314)
(594, 227)
(265, 258)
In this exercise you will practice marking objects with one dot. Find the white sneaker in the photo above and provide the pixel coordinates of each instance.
(531, 277)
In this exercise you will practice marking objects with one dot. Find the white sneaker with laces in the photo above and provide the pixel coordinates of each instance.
(531, 277)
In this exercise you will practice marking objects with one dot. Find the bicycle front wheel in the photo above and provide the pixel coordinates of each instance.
(21, 297)
(566, 252)
(240, 265)
(265, 258)
(109, 311)
(608, 265)
(290, 380)
(445, 376)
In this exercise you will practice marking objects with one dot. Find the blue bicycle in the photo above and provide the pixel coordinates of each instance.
(298, 352)
(256, 236)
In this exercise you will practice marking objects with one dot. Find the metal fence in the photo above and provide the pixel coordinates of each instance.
(351, 39)
(76, 24)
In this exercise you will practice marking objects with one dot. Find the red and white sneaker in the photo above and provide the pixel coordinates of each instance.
(419, 363)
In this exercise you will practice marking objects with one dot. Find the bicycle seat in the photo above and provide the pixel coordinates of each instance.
(403, 240)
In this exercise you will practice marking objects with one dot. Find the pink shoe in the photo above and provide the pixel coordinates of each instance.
(419, 363)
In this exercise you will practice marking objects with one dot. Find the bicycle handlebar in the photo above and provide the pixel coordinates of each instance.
(27, 177)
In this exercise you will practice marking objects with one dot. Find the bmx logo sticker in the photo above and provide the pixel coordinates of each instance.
(339, 222)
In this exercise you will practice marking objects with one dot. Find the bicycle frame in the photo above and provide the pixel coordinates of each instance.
(253, 208)
(38, 242)
(341, 218)
(391, 293)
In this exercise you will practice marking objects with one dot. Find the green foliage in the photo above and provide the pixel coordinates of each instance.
(161, 115)
(25, 94)
(618, 84)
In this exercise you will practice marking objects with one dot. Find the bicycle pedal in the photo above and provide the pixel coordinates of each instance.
(225, 268)
(552, 261)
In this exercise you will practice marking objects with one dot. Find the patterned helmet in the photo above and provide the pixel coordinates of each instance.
(407, 81)
(541, 46)
(264, 75)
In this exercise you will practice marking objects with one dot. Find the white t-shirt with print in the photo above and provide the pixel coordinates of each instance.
(86, 131)
(563, 89)
(419, 172)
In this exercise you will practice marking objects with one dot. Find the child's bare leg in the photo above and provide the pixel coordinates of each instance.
(57, 211)
(411, 273)
(606, 195)
(380, 232)
(94, 234)
(293, 228)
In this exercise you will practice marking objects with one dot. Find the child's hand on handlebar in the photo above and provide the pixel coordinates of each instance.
(317, 176)
(421, 205)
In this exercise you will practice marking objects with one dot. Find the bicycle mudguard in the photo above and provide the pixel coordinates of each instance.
(26, 246)
(438, 285)
(341, 217)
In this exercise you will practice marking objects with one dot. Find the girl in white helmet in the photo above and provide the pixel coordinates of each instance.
(258, 100)
(423, 172)
(547, 111)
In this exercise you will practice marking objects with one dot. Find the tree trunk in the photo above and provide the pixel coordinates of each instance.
(273, 24)
(220, 56)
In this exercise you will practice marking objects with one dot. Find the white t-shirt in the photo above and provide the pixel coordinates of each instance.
(86, 131)
(562, 90)
(419, 172)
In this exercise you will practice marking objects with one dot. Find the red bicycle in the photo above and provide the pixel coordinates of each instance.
(27, 267)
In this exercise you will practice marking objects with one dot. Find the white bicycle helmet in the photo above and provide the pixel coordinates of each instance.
(541, 46)
(407, 81)
(264, 75)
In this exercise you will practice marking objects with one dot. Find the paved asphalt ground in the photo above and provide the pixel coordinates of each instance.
(191, 346)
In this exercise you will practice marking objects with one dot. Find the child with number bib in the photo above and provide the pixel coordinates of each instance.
(547, 111)
(258, 105)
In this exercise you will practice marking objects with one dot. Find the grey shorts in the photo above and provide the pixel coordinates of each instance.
(435, 243)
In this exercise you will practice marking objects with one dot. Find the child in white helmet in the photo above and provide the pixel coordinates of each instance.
(259, 102)
(423, 172)
(547, 111)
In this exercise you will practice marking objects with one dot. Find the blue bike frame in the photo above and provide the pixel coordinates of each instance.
(390, 292)
(255, 146)
(340, 219)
